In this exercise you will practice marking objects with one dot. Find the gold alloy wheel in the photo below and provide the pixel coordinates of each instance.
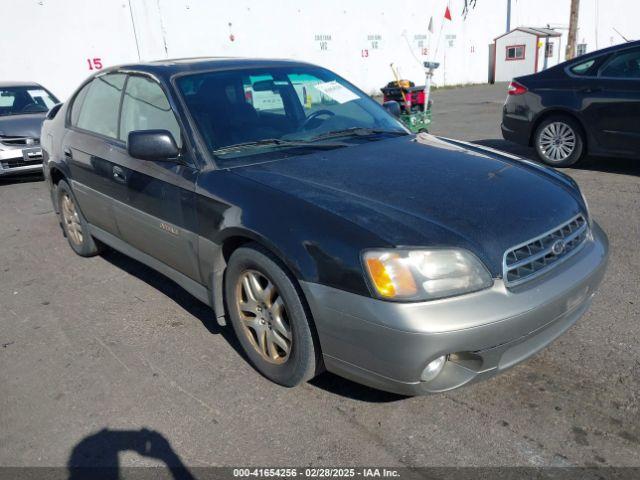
(264, 316)
(71, 219)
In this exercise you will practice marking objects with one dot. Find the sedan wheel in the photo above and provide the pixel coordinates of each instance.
(71, 219)
(557, 141)
(75, 227)
(270, 317)
(264, 317)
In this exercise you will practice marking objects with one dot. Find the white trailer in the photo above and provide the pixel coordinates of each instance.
(526, 50)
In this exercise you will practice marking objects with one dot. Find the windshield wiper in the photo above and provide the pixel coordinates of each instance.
(275, 142)
(357, 132)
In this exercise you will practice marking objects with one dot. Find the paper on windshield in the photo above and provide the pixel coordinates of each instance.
(38, 93)
(337, 92)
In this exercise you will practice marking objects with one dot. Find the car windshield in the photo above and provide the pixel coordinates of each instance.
(25, 100)
(270, 111)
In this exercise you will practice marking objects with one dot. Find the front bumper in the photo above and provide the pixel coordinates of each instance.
(387, 345)
(18, 161)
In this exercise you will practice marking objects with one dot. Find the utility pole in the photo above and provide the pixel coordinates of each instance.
(508, 16)
(573, 30)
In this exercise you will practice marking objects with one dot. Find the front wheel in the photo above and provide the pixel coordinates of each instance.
(559, 141)
(269, 317)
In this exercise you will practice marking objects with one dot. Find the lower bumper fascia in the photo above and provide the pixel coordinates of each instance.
(387, 346)
(35, 168)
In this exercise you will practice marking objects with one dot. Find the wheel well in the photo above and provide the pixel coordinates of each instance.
(56, 176)
(233, 243)
(560, 113)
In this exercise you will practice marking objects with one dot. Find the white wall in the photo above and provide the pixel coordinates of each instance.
(50, 41)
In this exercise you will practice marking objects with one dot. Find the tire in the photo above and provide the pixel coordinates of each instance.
(559, 141)
(74, 225)
(267, 320)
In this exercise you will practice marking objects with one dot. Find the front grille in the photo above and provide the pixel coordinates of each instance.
(34, 159)
(526, 261)
(15, 141)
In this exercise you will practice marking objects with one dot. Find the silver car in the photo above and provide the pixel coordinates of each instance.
(23, 108)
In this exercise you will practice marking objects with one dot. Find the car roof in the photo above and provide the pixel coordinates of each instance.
(613, 48)
(169, 67)
(5, 84)
(560, 67)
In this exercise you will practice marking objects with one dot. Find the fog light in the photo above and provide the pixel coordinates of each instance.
(433, 369)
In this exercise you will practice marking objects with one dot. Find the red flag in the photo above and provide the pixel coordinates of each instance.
(447, 13)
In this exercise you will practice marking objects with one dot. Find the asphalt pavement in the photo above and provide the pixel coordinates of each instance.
(99, 356)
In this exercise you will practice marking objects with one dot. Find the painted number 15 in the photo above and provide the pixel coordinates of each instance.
(94, 63)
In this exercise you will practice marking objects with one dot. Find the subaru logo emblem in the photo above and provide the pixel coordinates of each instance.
(558, 247)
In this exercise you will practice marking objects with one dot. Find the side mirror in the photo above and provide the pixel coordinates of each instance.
(156, 145)
(392, 107)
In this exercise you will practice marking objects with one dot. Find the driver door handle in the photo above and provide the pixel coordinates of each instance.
(119, 175)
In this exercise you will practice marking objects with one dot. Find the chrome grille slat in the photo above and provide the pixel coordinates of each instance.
(547, 250)
(530, 259)
(19, 141)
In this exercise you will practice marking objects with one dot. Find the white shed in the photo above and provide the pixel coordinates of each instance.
(526, 50)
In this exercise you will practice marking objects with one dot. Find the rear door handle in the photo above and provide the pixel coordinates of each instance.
(590, 90)
(67, 153)
(118, 174)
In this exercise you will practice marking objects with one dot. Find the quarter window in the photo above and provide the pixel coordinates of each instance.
(583, 68)
(146, 107)
(76, 107)
(515, 52)
(625, 65)
(99, 110)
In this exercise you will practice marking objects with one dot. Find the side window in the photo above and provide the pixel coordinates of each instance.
(515, 52)
(624, 65)
(146, 107)
(548, 49)
(99, 111)
(77, 103)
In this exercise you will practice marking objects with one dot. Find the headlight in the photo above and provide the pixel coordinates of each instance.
(586, 206)
(424, 274)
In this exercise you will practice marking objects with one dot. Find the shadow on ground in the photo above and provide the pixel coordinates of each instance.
(97, 455)
(326, 381)
(625, 166)
(32, 178)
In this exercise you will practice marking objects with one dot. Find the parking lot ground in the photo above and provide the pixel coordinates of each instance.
(95, 352)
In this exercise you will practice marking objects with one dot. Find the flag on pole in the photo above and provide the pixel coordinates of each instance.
(430, 28)
(447, 13)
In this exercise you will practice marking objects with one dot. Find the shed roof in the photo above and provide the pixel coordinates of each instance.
(537, 31)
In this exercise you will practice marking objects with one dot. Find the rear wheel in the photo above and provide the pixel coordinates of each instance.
(269, 317)
(74, 225)
(559, 141)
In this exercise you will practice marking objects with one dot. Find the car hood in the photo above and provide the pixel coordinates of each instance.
(424, 191)
(22, 125)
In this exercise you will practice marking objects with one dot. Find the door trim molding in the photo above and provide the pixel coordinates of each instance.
(194, 288)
